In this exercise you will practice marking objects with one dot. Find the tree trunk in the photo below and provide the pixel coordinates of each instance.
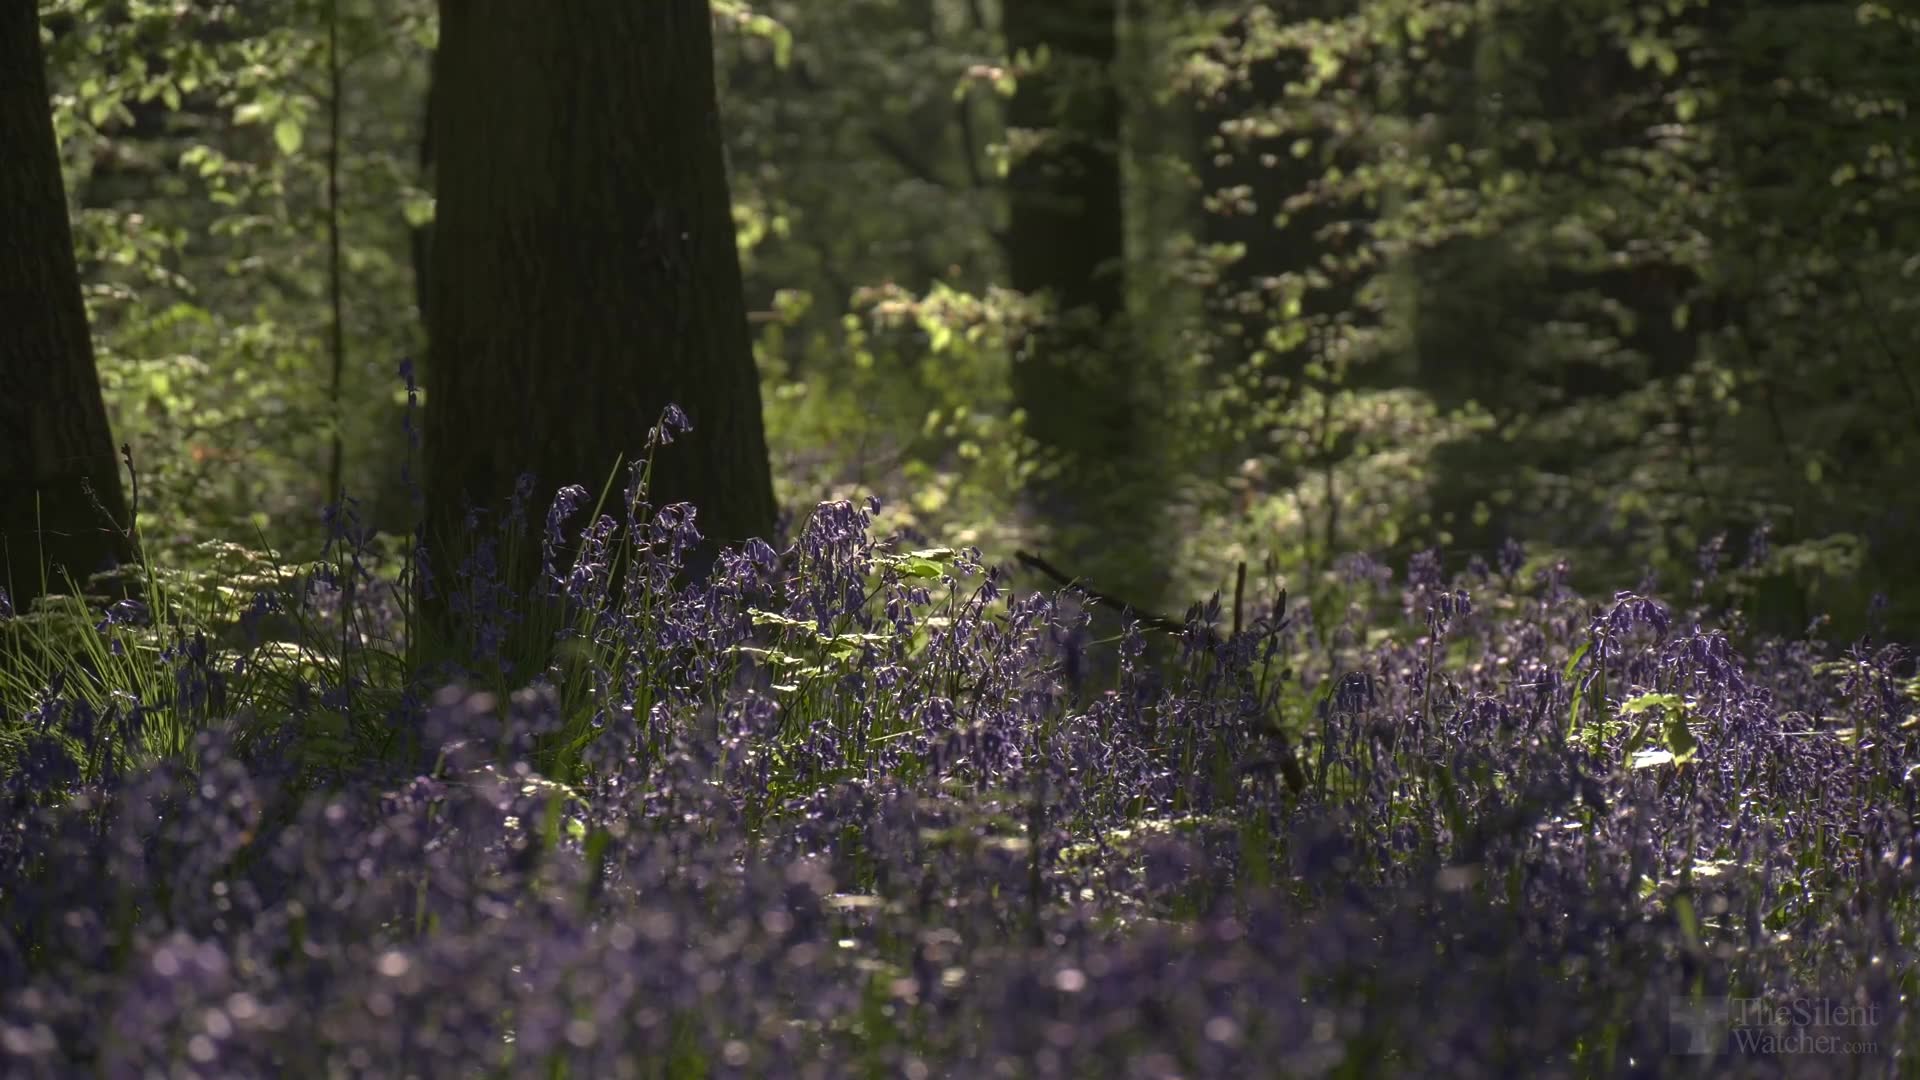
(420, 237)
(1078, 374)
(61, 507)
(1067, 233)
(584, 272)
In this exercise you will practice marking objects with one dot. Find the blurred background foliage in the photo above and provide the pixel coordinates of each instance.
(1618, 278)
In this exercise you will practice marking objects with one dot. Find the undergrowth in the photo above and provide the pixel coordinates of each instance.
(853, 807)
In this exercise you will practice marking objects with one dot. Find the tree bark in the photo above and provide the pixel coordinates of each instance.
(1067, 230)
(1078, 374)
(584, 270)
(62, 511)
(420, 237)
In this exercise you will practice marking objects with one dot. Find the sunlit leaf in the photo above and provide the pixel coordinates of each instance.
(287, 134)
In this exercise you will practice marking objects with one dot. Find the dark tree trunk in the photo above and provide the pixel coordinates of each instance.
(1080, 375)
(61, 507)
(584, 272)
(1067, 232)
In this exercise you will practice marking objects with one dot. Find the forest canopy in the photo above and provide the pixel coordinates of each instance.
(1368, 276)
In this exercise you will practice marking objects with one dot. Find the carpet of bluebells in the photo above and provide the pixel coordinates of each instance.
(841, 808)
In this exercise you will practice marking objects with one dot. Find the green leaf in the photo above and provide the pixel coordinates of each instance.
(287, 135)
(418, 209)
(1689, 924)
(1680, 740)
(1573, 710)
(1573, 661)
(1636, 705)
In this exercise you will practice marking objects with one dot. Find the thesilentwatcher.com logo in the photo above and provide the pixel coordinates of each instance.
(1770, 1027)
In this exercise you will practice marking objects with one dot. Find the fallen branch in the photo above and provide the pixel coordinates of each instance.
(1147, 618)
(1284, 759)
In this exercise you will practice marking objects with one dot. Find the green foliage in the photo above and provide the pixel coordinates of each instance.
(1644, 263)
(1678, 745)
(195, 144)
(119, 658)
(907, 393)
(1615, 277)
